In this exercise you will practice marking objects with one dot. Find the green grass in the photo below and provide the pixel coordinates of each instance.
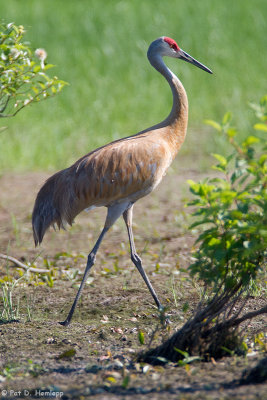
(100, 47)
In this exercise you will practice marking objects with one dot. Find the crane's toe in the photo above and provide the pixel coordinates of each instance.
(164, 318)
(65, 323)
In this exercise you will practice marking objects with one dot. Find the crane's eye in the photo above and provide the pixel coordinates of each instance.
(172, 46)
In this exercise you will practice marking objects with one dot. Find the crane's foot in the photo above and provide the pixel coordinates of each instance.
(168, 321)
(65, 323)
(164, 319)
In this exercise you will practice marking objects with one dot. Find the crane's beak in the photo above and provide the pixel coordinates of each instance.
(186, 57)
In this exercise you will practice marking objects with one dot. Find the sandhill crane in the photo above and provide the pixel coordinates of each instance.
(119, 173)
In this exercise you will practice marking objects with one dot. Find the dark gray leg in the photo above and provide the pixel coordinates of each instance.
(127, 215)
(114, 212)
(90, 263)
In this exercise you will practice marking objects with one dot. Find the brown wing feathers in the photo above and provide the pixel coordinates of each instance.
(115, 171)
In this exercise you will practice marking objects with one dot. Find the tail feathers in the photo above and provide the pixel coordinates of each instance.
(57, 203)
(45, 213)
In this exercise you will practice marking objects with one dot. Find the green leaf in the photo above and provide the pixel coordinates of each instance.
(218, 168)
(214, 124)
(48, 66)
(250, 140)
(190, 182)
(260, 127)
(183, 353)
(194, 187)
(201, 222)
(214, 241)
(262, 159)
(67, 354)
(263, 101)
(221, 159)
(36, 69)
(111, 379)
(231, 352)
(227, 118)
(141, 337)
(231, 132)
(236, 214)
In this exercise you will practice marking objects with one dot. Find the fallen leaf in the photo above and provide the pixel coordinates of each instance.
(111, 379)
(187, 369)
(67, 354)
(141, 337)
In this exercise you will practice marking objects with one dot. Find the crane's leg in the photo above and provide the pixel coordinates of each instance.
(114, 212)
(90, 263)
(128, 215)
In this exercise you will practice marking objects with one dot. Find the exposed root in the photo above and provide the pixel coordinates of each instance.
(211, 332)
(22, 265)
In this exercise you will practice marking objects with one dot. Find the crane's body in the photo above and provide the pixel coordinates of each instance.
(119, 173)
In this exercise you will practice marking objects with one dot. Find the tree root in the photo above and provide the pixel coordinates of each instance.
(212, 332)
(20, 264)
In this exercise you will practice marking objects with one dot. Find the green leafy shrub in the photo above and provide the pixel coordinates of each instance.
(23, 78)
(232, 208)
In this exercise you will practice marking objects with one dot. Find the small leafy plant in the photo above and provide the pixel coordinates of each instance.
(10, 312)
(232, 208)
(23, 78)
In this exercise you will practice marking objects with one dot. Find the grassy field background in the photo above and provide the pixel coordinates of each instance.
(99, 47)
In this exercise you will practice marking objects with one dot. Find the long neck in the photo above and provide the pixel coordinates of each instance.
(177, 119)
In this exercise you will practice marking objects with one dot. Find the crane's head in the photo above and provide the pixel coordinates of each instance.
(165, 46)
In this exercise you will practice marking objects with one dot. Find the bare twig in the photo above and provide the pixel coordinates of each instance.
(29, 102)
(237, 321)
(22, 265)
(5, 105)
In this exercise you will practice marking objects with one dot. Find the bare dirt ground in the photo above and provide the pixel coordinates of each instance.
(96, 355)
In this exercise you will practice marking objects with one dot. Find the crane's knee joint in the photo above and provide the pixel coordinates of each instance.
(136, 259)
(91, 259)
